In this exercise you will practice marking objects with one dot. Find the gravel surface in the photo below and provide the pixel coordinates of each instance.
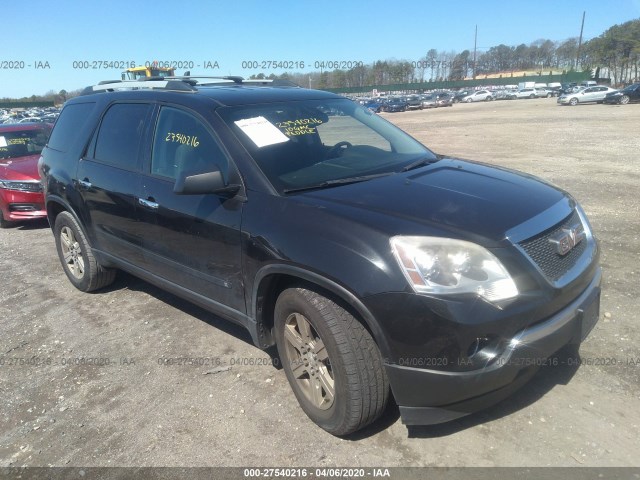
(230, 406)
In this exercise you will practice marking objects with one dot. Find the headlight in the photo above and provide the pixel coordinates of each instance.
(447, 266)
(21, 186)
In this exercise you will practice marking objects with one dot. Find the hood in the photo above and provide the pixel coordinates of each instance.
(21, 168)
(460, 198)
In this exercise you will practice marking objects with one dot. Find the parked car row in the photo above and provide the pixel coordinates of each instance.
(31, 115)
(446, 98)
(407, 102)
(568, 94)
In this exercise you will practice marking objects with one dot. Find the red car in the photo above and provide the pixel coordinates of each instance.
(21, 195)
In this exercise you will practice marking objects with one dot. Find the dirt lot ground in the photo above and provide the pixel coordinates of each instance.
(138, 411)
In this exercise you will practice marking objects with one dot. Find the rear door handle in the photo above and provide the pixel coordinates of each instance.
(148, 203)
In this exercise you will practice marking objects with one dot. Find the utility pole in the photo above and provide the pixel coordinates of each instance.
(475, 48)
(580, 40)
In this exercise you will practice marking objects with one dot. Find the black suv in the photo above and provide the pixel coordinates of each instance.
(375, 265)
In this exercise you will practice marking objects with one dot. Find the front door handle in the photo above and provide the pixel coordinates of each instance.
(148, 203)
(85, 184)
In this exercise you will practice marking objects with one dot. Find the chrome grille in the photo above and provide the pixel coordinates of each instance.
(545, 255)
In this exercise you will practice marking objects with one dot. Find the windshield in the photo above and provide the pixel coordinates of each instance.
(300, 144)
(156, 72)
(22, 143)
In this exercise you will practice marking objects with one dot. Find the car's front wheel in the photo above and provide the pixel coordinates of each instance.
(573, 102)
(331, 361)
(624, 100)
(82, 268)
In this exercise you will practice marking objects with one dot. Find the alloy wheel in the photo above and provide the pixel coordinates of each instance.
(72, 252)
(309, 360)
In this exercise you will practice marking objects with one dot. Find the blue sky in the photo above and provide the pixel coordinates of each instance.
(63, 31)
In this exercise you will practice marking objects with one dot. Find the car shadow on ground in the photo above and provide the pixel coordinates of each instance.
(38, 224)
(126, 281)
(540, 384)
(545, 380)
(537, 387)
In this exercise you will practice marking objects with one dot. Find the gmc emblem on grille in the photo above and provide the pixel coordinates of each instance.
(567, 238)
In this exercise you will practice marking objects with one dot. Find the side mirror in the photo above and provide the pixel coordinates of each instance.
(204, 183)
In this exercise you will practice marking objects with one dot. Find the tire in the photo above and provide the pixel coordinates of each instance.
(573, 102)
(532, 96)
(549, 95)
(331, 361)
(624, 99)
(469, 100)
(76, 256)
(5, 223)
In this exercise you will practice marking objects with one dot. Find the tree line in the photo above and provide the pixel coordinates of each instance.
(614, 54)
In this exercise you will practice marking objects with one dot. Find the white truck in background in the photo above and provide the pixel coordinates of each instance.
(523, 85)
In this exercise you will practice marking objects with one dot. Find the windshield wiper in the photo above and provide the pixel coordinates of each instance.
(337, 181)
(421, 162)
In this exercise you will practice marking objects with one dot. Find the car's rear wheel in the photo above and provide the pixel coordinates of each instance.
(331, 361)
(624, 99)
(82, 268)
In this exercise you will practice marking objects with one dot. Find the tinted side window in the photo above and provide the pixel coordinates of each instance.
(183, 144)
(71, 121)
(120, 133)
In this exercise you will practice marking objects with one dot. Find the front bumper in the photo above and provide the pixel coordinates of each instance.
(18, 205)
(428, 397)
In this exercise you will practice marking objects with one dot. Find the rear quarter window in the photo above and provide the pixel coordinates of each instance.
(70, 122)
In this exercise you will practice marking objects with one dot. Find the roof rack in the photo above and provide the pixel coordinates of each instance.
(208, 80)
(185, 83)
(162, 83)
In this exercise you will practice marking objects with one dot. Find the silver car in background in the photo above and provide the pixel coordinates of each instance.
(585, 95)
(479, 96)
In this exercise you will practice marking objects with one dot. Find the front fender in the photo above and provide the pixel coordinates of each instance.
(341, 292)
